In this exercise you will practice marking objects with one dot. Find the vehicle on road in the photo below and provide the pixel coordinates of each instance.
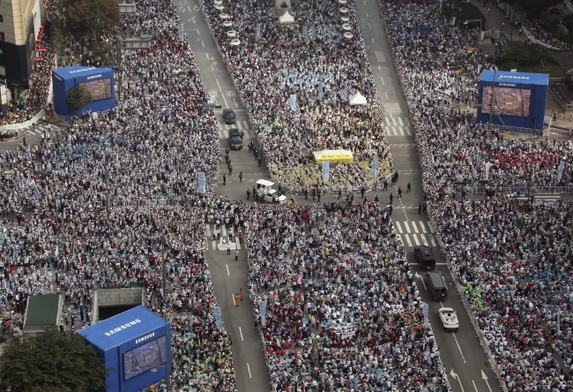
(436, 286)
(235, 139)
(229, 116)
(267, 191)
(449, 319)
(274, 196)
(424, 257)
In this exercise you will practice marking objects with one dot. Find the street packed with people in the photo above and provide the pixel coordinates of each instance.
(104, 202)
(511, 257)
(340, 307)
(312, 62)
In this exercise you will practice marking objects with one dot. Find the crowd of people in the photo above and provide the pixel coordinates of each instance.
(103, 202)
(511, 258)
(313, 62)
(341, 308)
(107, 200)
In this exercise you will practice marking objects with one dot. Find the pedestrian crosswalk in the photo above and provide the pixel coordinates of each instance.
(221, 239)
(37, 129)
(396, 126)
(414, 233)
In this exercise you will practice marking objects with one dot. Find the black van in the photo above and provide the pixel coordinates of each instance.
(424, 257)
(436, 286)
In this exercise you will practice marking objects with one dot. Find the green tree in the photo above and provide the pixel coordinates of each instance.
(78, 98)
(90, 17)
(51, 362)
(535, 8)
(519, 54)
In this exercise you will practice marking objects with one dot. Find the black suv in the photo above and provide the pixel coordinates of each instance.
(229, 116)
(235, 139)
(424, 257)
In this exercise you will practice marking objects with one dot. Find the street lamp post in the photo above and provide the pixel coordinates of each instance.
(164, 288)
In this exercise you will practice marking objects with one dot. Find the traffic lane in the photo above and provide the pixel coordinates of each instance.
(382, 65)
(212, 69)
(466, 363)
(229, 276)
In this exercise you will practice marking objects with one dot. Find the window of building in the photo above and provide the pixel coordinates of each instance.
(1, 18)
(2, 37)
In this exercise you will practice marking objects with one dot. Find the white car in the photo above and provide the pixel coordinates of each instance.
(273, 196)
(449, 318)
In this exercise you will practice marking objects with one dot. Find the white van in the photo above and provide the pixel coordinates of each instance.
(266, 191)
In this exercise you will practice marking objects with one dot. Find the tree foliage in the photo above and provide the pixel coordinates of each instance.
(535, 8)
(78, 98)
(91, 17)
(51, 362)
(518, 53)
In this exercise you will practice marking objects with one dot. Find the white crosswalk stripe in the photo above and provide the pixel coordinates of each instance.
(218, 239)
(396, 126)
(415, 233)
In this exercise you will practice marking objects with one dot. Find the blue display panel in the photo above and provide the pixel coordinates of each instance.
(141, 359)
(513, 99)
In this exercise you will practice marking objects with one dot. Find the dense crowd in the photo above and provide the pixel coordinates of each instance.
(341, 308)
(104, 202)
(511, 258)
(314, 62)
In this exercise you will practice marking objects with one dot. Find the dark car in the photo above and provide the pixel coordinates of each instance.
(235, 139)
(229, 116)
(424, 257)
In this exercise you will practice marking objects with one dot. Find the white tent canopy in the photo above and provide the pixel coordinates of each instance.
(357, 99)
(286, 18)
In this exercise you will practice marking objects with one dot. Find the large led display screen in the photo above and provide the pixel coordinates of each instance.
(513, 101)
(144, 358)
(98, 81)
(99, 89)
(507, 101)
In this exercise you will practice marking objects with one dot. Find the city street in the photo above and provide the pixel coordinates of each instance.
(466, 363)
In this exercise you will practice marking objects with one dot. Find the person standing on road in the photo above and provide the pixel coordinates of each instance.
(241, 176)
(237, 255)
(248, 193)
(224, 179)
(399, 192)
(408, 188)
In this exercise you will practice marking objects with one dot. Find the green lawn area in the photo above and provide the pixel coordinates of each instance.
(555, 32)
(544, 66)
(463, 11)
